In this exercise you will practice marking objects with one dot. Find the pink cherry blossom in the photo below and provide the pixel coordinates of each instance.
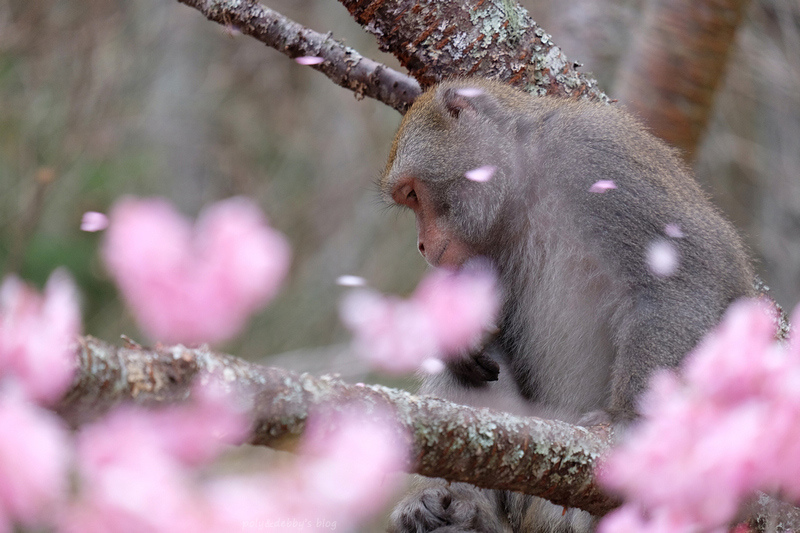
(481, 174)
(469, 92)
(432, 366)
(347, 468)
(129, 482)
(728, 426)
(134, 466)
(198, 284)
(198, 431)
(342, 475)
(601, 186)
(389, 333)
(351, 281)
(462, 306)
(37, 333)
(309, 60)
(449, 312)
(674, 231)
(94, 221)
(662, 258)
(34, 454)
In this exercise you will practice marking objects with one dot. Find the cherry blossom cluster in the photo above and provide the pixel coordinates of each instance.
(728, 426)
(448, 313)
(141, 470)
(194, 284)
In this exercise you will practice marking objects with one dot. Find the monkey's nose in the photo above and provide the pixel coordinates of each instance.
(421, 247)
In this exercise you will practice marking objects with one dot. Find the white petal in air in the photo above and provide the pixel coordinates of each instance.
(469, 92)
(94, 221)
(662, 258)
(674, 231)
(602, 186)
(481, 174)
(432, 366)
(351, 281)
(309, 60)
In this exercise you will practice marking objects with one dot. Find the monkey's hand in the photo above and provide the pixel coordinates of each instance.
(474, 369)
(446, 508)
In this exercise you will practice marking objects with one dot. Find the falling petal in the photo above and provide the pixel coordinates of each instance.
(662, 258)
(481, 174)
(602, 186)
(674, 231)
(351, 281)
(469, 92)
(94, 221)
(231, 30)
(432, 366)
(309, 60)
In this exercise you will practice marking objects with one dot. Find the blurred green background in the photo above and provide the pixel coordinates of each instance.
(102, 98)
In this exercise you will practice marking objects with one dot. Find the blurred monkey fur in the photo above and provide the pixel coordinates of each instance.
(584, 322)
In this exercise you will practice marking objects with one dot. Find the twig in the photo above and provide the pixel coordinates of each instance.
(342, 64)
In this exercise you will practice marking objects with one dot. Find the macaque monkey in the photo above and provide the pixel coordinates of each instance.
(585, 317)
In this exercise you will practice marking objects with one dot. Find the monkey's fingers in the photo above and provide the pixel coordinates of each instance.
(475, 369)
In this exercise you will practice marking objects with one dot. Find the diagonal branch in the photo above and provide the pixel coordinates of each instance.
(342, 64)
(489, 449)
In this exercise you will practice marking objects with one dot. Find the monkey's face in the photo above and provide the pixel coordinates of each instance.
(436, 240)
(443, 137)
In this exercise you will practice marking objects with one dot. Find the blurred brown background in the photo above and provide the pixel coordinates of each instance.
(101, 98)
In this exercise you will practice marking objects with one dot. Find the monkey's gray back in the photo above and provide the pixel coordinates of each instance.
(585, 320)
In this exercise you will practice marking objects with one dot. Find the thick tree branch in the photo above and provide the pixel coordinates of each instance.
(342, 64)
(489, 449)
(438, 39)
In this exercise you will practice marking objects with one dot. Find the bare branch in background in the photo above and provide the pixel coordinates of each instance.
(342, 64)
(490, 449)
(674, 67)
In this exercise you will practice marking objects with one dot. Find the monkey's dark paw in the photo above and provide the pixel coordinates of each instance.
(475, 369)
(453, 508)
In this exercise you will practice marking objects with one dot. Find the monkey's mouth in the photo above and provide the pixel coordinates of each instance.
(436, 262)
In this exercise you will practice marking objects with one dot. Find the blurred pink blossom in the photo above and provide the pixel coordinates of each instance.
(447, 313)
(601, 186)
(194, 285)
(198, 431)
(432, 366)
(481, 174)
(129, 482)
(389, 333)
(728, 427)
(94, 221)
(342, 476)
(34, 454)
(674, 231)
(469, 92)
(134, 466)
(309, 60)
(36, 335)
(349, 280)
(662, 258)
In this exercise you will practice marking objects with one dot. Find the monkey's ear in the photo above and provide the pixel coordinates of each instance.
(455, 103)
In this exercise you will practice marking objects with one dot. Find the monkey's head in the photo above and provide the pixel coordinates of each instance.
(455, 127)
